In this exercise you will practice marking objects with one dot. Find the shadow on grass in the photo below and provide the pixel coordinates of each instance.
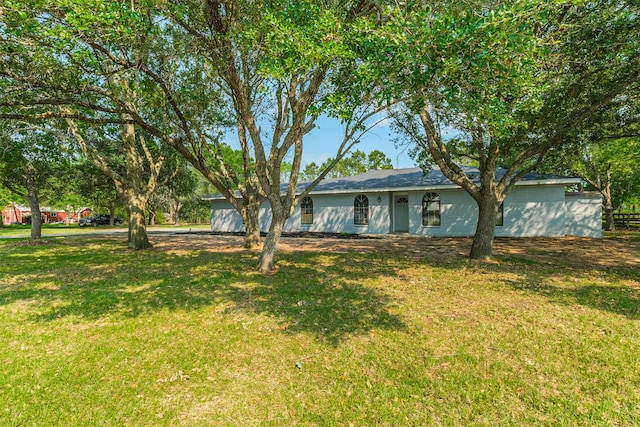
(315, 293)
(602, 274)
(332, 296)
(329, 301)
(616, 299)
(575, 285)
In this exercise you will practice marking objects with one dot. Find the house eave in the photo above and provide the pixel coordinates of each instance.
(406, 180)
(554, 181)
(386, 189)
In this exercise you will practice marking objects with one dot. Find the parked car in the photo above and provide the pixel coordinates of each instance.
(98, 219)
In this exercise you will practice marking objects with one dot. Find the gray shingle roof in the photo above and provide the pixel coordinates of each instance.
(414, 178)
(409, 179)
(381, 180)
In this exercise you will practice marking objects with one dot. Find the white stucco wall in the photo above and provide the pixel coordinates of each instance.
(584, 214)
(224, 218)
(458, 214)
(534, 211)
(331, 213)
(334, 214)
(529, 210)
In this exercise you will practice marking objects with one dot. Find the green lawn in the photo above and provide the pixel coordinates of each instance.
(48, 230)
(93, 334)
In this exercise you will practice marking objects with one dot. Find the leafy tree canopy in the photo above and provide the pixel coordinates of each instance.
(359, 162)
(500, 83)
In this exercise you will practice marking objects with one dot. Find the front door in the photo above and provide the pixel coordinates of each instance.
(401, 213)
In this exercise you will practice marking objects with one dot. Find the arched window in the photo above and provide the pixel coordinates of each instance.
(431, 209)
(361, 210)
(306, 210)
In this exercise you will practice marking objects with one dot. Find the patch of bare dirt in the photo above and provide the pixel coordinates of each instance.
(573, 251)
(570, 251)
(30, 242)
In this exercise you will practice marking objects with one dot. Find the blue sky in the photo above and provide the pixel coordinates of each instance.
(322, 142)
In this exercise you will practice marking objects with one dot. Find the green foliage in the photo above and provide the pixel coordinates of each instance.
(621, 157)
(95, 188)
(476, 68)
(510, 74)
(359, 162)
(298, 37)
(606, 152)
(6, 196)
(30, 155)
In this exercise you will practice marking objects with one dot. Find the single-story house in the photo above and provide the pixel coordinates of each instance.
(410, 201)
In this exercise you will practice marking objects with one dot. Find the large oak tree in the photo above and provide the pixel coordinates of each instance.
(279, 65)
(501, 83)
(605, 154)
(74, 63)
(30, 161)
(186, 72)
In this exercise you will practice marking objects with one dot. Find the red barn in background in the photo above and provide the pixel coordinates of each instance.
(14, 213)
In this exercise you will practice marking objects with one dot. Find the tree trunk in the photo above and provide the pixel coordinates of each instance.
(607, 204)
(133, 184)
(34, 205)
(36, 215)
(138, 238)
(176, 213)
(482, 246)
(128, 221)
(609, 224)
(112, 216)
(251, 217)
(267, 262)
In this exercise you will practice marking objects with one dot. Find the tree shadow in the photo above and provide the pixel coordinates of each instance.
(311, 293)
(616, 259)
(330, 301)
(332, 295)
(579, 266)
(571, 270)
(616, 299)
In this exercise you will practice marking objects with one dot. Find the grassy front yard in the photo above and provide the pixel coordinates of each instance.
(48, 230)
(13, 231)
(345, 333)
